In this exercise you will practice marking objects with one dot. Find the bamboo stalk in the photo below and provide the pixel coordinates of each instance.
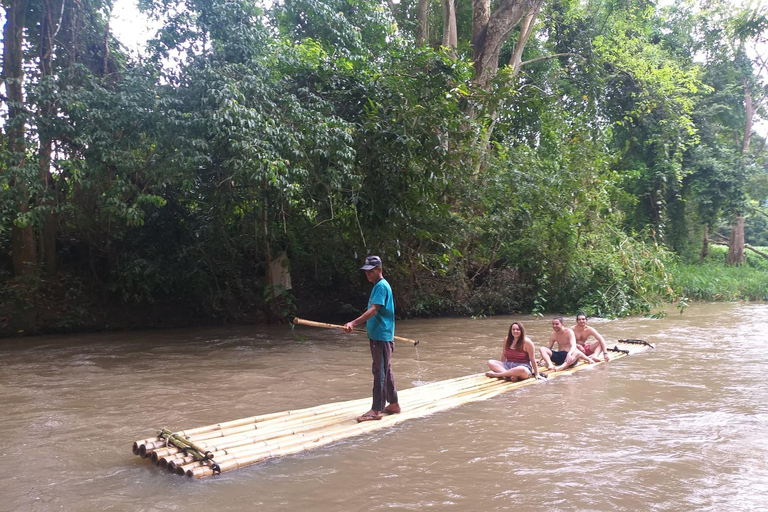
(236, 459)
(138, 444)
(277, 431)
(439, 388)
(256, 419)
(286, 416)
(337, 423)
(173, 464)
(307, 426)
(295, 445)
(478, 383)
(323, 325)
(236, 423)
(480, 391)
(160, 453)
(285, 446)
(145, 447)
(280, 446)
(265, 449)
(277, 425)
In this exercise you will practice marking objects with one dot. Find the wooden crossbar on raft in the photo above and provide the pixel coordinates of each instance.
(211, 449)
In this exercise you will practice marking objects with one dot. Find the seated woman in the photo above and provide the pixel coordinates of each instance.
(518, 361)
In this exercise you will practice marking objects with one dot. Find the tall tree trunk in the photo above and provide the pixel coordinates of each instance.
(481, 12)
(48, 198)
(515, 61)
(491, 30)
(704, 245)
(23, 240)
(105, 62)
(73, 29)
(450, 35)
(749, 112)
(736, 242)
(526, 29)
(422, 29)
(269, 296)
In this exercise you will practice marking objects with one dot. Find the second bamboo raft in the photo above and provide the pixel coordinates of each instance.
(213, 449)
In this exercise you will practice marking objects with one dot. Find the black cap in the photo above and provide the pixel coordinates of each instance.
(371, 262)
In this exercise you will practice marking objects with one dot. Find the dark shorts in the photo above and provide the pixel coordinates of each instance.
(558, 356)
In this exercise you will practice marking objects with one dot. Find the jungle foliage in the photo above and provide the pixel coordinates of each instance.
(565, 166)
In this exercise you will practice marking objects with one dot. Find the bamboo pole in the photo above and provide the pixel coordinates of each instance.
(236, 459)
(479, 391)
(144, 442)
(490, 388)
(145, 447)
(305, 426)
(264, 450)
(432, 390)
(291, 415)
(235, 423)
(479, 383)
(279, 446)
(239, 450)
(323, 325)
(282, 424)
(252, 438)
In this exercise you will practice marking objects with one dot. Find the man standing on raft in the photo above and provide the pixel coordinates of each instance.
(582, 333)
(379, 321)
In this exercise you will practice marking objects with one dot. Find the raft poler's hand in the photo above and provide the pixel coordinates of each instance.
(349, 327)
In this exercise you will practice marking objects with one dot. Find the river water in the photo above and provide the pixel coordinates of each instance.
(681, 427)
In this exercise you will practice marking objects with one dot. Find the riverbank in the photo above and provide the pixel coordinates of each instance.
(713, 280)
(68, 306)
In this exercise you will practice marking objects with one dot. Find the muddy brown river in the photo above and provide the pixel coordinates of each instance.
(679, 428)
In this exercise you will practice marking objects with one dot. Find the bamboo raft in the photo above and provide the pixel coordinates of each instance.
(213, 449)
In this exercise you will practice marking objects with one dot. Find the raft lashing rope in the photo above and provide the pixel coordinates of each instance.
(637, 342)
(214, 449)
(189, 449)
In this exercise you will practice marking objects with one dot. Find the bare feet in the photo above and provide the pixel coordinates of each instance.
(492, 375)
(392, 408)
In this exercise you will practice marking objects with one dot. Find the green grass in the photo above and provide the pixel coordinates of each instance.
(713, 280)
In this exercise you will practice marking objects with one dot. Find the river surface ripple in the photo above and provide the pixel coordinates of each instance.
(681, 427)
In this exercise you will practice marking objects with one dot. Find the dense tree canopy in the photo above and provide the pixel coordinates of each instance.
(500, 156)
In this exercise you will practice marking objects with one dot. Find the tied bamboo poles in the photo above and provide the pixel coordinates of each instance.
(221, 447)
(266, 424)
(240, 458)
(418, 398)
(322, 325)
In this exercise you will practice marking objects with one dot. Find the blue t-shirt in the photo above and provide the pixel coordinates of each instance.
(381, 326)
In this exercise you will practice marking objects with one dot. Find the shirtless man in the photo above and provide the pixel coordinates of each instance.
(568, 351)
(582, 333)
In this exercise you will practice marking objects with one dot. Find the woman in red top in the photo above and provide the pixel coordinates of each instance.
(518, 360)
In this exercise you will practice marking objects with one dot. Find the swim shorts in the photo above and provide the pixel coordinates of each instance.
(587, 349)
(558, 356)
